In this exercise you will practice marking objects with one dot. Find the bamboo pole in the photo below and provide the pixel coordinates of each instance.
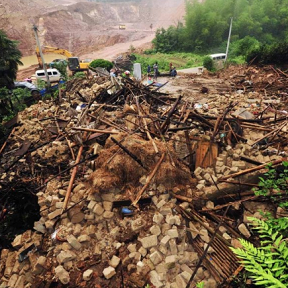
(149, 179)
(5, 143)
(251, 169)
(95, 130)
(73, 175)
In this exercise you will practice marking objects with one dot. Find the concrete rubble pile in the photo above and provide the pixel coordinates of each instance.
(125, 179)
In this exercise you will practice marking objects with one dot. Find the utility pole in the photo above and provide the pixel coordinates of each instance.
(41, 55)
(228, 42)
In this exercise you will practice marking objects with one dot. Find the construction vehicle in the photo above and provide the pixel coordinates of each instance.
(74, 64)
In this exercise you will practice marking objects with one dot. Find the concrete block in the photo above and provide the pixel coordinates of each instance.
(243, 229)
(98, 209)
(65, 256)
(150, 241)
(107, 205)
(91, 205)
(186, 268)
(157, 218)
(165, 210)
(155, 230)
(164, 241)
(155, 257)
(108, 214)
(132, 248)
(114, 262)
(87, 275)
(62, 275)
(109, 272)
(17, 242)
(173, 219)
(173, 247)
(170, 261)
(161, 203)
(155, 279)
(143, 251)
(137, 224)
(173, 233)
(73, 242)
(54, 214)
(181, 283)
(84, 238)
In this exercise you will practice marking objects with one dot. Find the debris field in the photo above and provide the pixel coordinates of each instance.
(125, 185)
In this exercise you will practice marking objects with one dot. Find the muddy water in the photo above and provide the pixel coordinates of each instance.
(32, 59)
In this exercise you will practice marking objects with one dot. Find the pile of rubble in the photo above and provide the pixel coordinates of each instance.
(135, 185)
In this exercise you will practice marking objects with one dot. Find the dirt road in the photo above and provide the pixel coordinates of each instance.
(111, 52)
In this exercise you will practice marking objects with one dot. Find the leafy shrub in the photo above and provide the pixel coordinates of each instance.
(150, 51)
(62, 68)
(80, 75)
(269, 54)
(208, 63)
(274, 182)
(267, 264)
(102, 63)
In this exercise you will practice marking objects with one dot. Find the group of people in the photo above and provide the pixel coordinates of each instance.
(155, 69)
(173, 71)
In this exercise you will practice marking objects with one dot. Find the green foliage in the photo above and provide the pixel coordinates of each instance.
(102, 63)
(10, 57)
(277, 224)
(179, 60)
(132, 48)
(206, 28)
(62, 68)
(200, 285)
(208, 63)
(41, 84)
(274, 182)
(12, 102)
(79, 75)
(267, 264)
(276, 53)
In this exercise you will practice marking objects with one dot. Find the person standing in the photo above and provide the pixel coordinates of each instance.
(148, 69)
(170, 66)
(155, 68)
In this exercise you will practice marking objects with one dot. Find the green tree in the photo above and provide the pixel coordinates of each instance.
(101, 63)
(10, 57)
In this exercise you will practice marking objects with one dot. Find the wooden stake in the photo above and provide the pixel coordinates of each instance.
(149, 179)
(73, 175)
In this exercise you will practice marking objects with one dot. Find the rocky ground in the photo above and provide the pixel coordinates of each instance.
(132, 184)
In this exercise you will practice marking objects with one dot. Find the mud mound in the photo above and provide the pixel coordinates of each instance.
(115, 169)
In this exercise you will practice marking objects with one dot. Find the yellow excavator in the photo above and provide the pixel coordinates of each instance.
(74, 63)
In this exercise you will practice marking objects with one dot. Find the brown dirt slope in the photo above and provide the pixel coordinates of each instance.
(85, 27)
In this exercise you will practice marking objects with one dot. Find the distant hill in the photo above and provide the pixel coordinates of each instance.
(84, 26)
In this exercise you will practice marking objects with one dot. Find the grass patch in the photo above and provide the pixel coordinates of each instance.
(179, 60)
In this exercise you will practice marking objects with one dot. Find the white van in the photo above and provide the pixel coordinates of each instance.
(219, 60)
(219, 56)
(54, 75)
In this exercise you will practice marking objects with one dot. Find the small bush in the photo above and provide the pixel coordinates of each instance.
(80, 75)
(208, 63)
(102, 63)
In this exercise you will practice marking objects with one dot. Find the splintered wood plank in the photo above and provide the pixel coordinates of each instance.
(206, 154)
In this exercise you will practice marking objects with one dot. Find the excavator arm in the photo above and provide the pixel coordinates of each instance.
(48, 49)
(74, 63)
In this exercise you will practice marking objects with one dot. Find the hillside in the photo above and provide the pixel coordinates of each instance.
(84, 27)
